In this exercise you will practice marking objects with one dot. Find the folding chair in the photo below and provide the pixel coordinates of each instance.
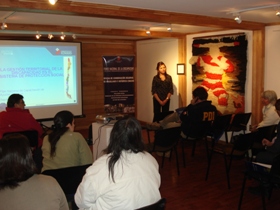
(239, 123)
(166, 140)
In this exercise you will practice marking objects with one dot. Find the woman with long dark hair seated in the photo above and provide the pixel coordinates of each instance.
(126, 177)
(63, 147)
(20, 186)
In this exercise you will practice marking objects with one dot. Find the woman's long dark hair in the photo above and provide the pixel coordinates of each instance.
(61, 120)
(126, 135)
(16, 162)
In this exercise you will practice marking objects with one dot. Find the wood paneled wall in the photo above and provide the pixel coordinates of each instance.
(92, 75)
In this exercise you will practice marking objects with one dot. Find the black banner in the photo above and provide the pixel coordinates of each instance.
(119, 84)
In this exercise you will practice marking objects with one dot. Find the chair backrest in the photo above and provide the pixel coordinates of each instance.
(161, 115)
(241, 120)
(68, 178)
(275, 167)
(167, 137)
(267, 132)
(222, 121)
(243, 142)
(32, 136)
(160, 205)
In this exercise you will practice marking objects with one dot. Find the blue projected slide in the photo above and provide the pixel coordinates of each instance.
(47, 74)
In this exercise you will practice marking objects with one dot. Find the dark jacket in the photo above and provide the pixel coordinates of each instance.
(197, 119)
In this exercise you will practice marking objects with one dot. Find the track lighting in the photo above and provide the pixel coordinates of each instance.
(50, 36)
(169, 28)
(278, 13)
(4, 26)
(38, 35)
(62, 37)
(52, 2)
(238, 18)
(148, 32)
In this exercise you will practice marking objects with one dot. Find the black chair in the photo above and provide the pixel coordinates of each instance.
(238, 123)
(69, 179)
(160, 205)
(219, 127)
(166, 140)
(237, 149)
(32, 136)
(267, 132)
(197, 131)
(268, 179)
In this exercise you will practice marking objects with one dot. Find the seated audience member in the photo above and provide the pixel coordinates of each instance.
(126, 177)
(270, 117)
(272, 147)
(200, 110)
(20, 186)
(17, 118)
(63, 147)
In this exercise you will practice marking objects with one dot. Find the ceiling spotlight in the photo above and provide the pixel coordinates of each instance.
(4, 26)
(38, 35)
(238, 18)
(74, 36)
(278, 13)
(50, 36)
(148, 32)
(62, 37)
(52, 2)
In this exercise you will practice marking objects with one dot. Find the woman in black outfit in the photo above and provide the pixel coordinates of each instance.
(162, 89)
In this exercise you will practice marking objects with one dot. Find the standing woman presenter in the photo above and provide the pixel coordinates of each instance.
(162, 89)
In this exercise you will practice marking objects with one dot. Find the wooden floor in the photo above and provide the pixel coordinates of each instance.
(190, 191)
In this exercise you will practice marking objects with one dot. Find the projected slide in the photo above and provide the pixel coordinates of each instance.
(44, 75)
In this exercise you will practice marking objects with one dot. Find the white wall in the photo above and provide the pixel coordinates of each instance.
(272, 59)
(149, 53)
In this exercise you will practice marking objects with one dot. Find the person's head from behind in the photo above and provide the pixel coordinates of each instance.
(63, 121)
(16, 162)
(268, 97)
(277, 107)
(200, 93)
(15, 101)
(161, 68)
(126, 135)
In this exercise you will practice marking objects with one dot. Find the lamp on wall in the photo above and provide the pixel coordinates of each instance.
(50, 36)
(169, 28)
(38, 35)
(4, 26)
(52, 2)
(62, 37)
(238, 18)
(148, 32)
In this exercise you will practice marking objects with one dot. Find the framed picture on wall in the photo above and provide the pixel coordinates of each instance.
(180, 68)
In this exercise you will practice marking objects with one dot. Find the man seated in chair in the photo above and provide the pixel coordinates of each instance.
(200, 110)
(17, 118)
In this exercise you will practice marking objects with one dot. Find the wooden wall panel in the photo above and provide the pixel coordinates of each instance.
(92, 75)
